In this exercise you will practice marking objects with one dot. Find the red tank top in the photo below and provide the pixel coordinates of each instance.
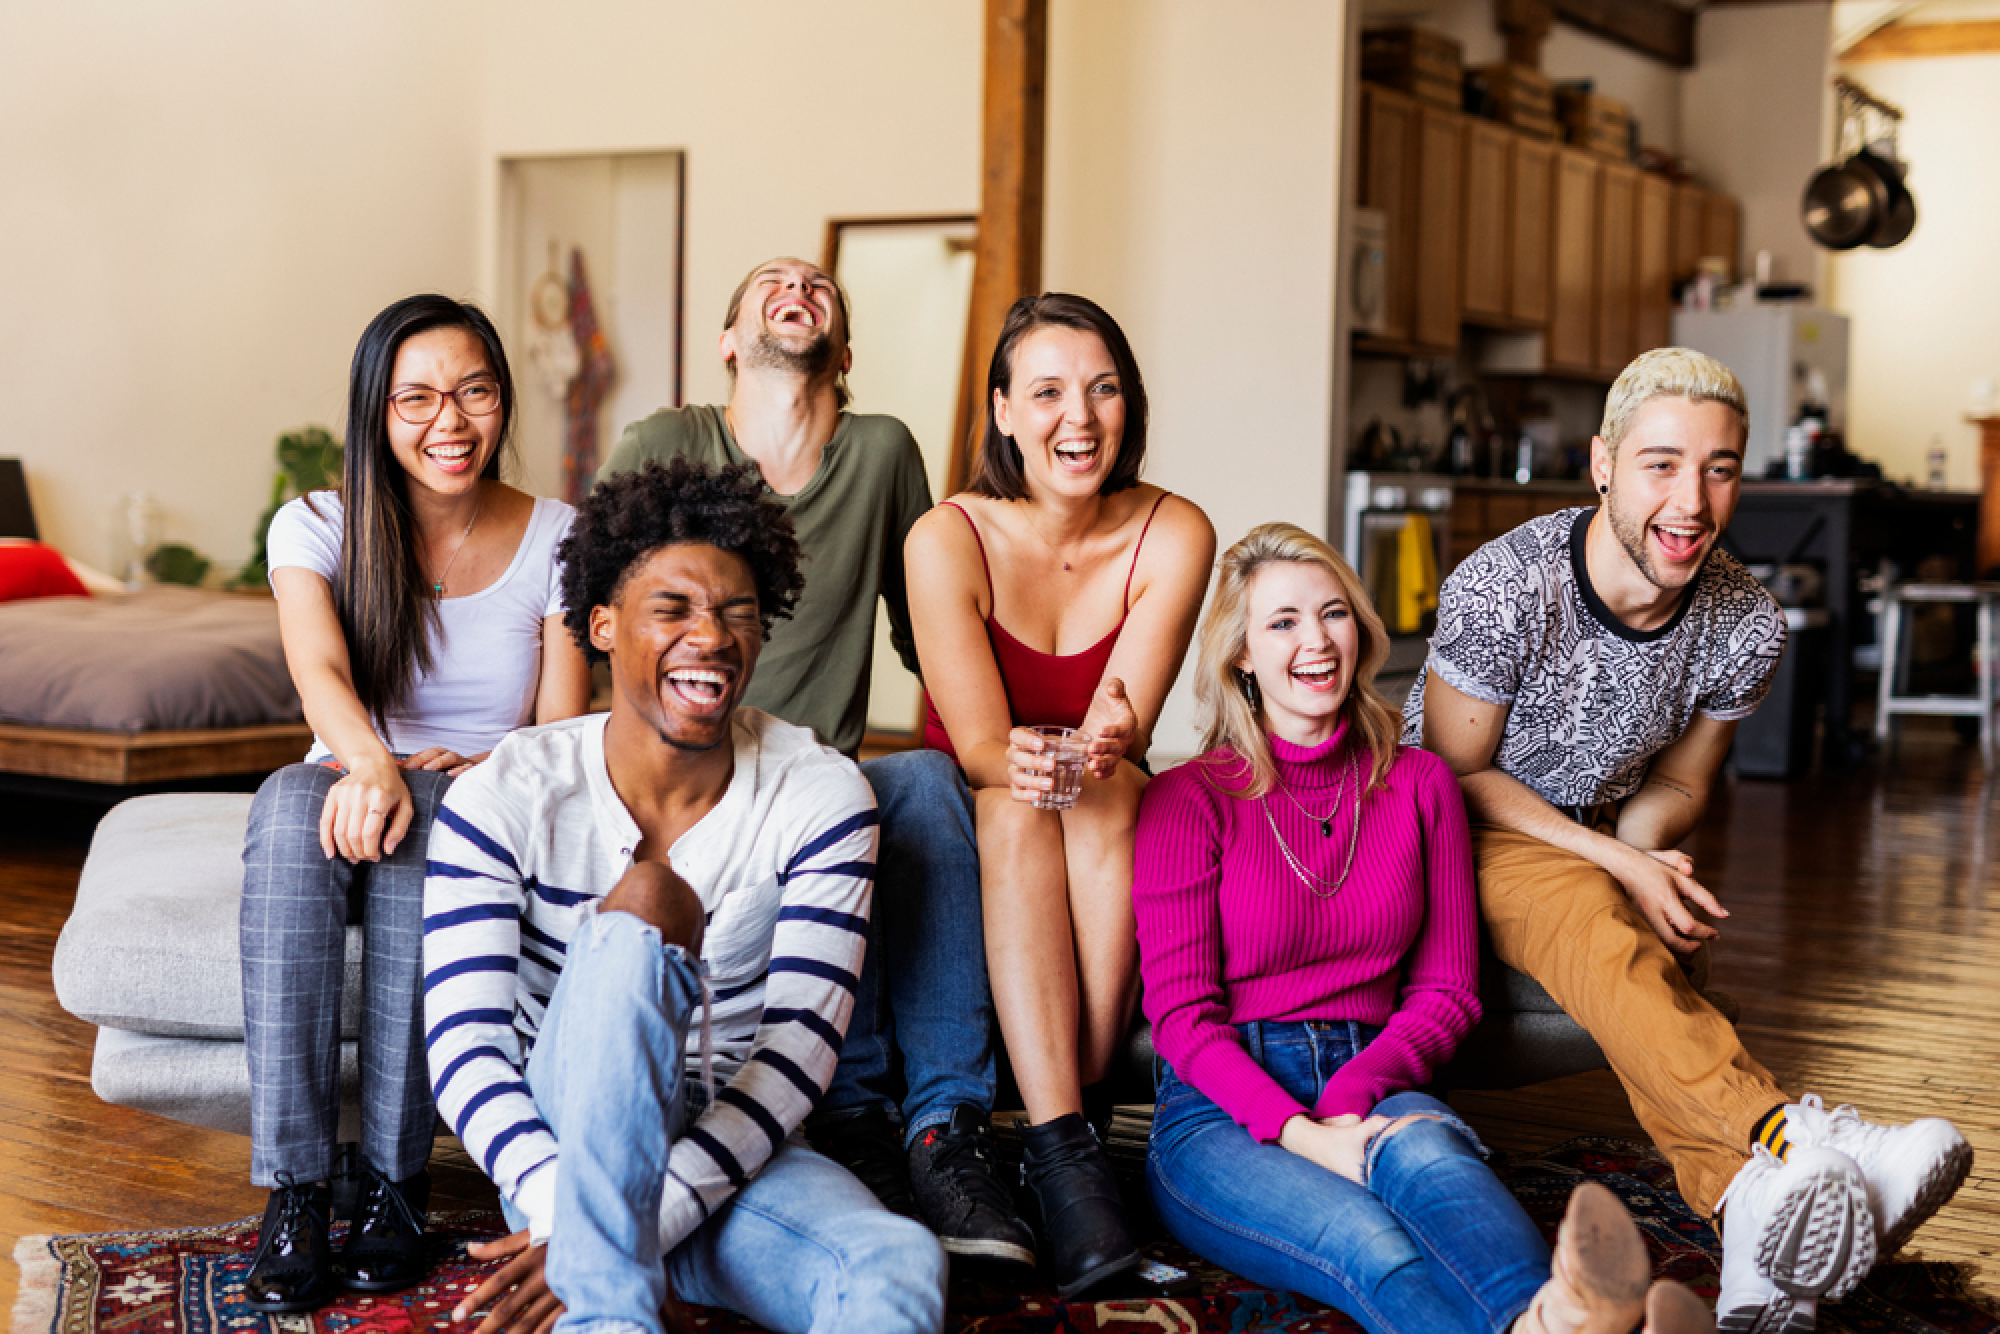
(1042, 688)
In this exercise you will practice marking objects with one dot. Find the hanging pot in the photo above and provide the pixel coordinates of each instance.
(1844, 204)
(1899, 219)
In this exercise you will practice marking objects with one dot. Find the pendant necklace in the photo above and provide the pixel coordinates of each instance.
(1307, 878)
(437, 588)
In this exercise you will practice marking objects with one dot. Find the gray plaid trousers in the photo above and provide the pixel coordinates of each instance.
(297, 903)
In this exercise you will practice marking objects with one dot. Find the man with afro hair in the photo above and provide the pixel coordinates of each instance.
(602, 888)
(908, 1110)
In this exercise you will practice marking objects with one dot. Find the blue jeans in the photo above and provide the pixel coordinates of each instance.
(923, 989)
(1431, 1245)
(804, 1246)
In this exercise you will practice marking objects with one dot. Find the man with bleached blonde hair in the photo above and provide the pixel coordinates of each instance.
(1587, 674)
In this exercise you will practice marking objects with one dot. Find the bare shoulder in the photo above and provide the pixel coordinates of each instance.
(1181, 542)
(940, 531)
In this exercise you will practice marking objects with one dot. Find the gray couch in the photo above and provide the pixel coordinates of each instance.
(149, 955)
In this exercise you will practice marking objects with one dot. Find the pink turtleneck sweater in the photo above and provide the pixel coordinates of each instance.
(1228, 933)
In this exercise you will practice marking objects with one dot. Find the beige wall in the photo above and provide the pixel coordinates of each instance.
(1927, 314)
(1193, 188)
(790, 112)
(206, 201)
(1755, 117)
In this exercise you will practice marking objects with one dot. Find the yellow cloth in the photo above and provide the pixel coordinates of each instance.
(1416, 575)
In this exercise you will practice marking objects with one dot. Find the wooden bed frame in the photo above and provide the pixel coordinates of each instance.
(129, 759)
(124, 759)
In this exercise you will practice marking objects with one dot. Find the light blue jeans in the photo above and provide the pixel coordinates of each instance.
(803, 1247)
(923, 996)
(1433, 1244)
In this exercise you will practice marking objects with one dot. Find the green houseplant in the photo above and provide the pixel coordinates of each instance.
(308, 460)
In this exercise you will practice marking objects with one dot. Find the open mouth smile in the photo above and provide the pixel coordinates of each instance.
(792, 311)
(1318, 676)
(451, 457)
(701, 689)
(1077, 455)
(1680, 542)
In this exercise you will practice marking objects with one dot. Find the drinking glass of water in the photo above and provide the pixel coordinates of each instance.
(1069, 748)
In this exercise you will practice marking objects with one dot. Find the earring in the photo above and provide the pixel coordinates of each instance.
(1603, 490)
(1248, 684)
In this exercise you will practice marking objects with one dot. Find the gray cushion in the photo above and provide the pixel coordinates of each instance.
(196, 1082)
(151, 945)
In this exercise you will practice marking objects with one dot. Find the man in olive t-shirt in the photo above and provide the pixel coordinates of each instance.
(853, 486)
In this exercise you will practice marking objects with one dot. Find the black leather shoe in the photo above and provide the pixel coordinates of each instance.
(385, 1242)
(292, 1268)
(953, 1177)
(1081, 1216)
(866, 1143)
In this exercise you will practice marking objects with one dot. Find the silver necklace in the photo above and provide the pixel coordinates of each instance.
(1307, 878)
(437, 588)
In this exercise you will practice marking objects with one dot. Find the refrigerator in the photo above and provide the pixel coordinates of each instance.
(1780, 351)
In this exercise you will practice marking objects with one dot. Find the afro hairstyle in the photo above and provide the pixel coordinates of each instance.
(632, 515)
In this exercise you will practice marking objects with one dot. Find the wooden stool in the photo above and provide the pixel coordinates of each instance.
(1980, 703)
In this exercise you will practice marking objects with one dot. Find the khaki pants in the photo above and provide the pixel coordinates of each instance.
(1566, 923)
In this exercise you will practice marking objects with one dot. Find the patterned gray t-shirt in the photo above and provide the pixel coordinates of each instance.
(1589, 700)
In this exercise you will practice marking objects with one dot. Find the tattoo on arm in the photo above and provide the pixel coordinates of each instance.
(1675, 788)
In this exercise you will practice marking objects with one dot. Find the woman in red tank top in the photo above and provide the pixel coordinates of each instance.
(1058, 589)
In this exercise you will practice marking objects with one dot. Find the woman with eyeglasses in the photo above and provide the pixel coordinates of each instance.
(421, 617)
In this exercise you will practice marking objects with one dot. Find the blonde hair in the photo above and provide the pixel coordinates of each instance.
(1668, 372)
(1229, 719)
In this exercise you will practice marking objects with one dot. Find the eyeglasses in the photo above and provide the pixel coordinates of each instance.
(419, 405)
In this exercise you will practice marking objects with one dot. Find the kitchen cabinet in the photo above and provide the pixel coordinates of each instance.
(1387, 182)
(1439, 217)
(1705, 223)
(1489, 229)
(1687, 230)
(1617, 238)
(1531, 219)
(1653, 286)
(1572, 330)
(1720, 225)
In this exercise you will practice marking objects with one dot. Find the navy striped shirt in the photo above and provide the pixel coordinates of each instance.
(525, 845)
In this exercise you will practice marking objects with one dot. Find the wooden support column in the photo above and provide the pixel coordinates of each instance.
(1008, 262)
(1989, 498)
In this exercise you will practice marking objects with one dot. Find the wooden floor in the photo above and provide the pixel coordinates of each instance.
(1865, 948)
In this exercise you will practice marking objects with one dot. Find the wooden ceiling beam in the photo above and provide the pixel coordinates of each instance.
(1915, 41)
(1007, 263)
(1656, 28)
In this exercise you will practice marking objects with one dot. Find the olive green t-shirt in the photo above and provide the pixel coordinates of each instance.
(851, 520)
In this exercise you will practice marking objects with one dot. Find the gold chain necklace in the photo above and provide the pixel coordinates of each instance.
(1307, 878)
(437, 588)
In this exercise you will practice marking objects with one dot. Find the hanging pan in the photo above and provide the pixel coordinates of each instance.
(1844, 205)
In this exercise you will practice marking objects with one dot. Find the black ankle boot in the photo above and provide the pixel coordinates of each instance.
(292, 1268)
(1062, 1162)
(385, 1241)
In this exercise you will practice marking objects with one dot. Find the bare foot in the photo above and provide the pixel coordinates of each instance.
(1672, 1309)
(1597, 1281)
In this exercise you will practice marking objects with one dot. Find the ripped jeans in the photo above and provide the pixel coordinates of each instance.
(1433, 1244)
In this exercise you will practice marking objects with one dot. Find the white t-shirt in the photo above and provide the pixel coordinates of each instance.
(486, 653)
(1590, 700)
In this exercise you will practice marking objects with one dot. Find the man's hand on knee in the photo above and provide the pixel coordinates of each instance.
(654, 892)
(1661, 887)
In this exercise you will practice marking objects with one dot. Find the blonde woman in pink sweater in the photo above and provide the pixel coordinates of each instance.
(1307, 936)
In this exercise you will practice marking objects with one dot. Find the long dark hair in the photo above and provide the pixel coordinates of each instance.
(385, 603)
(1000, 475)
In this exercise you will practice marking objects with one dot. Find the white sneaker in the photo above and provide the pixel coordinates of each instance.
(1753, 1305)
(1802, 1223)
(1910, 1170)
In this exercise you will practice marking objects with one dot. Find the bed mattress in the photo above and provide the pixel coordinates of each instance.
(160, 659)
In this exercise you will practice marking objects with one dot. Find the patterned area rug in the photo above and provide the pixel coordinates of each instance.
(190, 1281)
